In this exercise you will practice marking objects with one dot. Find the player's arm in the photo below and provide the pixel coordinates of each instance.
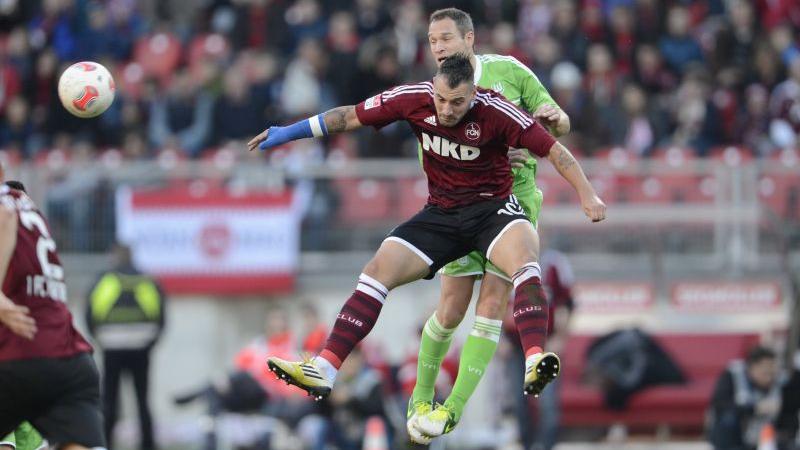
(337, 120)
(525, 133)
(539, 102)
(13, 316)
(569, 168)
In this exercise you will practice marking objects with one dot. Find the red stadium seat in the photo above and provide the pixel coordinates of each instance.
(10, 157)
(208, 46)
(158, 54)
(675, 157)
(617, 158)
(788, 157)
(781, 193)
(130, 79)
(363, 201)
(53, 159)
(732, 156)
(412, 196)
(556, 190)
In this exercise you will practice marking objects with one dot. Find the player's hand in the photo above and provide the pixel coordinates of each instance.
(593, 207)
(548, 115)
(16, 318)
(518, 157)
(262, 137)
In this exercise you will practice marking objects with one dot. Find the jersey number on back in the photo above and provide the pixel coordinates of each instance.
(50, 284)
(33, 221)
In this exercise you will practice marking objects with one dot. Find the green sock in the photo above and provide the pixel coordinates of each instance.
(432, 350)
(475, 356)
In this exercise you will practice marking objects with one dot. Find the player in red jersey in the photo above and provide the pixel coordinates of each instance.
(47, 374)
(465, 133)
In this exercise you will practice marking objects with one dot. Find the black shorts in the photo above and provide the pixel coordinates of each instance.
(439, 235)
(59, 396)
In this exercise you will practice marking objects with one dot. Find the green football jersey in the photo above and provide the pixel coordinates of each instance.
(508, 76)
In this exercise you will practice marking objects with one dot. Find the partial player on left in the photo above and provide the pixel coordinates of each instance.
(47, 374)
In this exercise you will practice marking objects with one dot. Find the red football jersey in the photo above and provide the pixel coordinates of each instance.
(466, 163)
(35, 279)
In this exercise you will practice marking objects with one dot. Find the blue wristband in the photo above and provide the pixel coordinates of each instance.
(311, 127)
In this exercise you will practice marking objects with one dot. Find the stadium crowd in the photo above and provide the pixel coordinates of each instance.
(194, 75)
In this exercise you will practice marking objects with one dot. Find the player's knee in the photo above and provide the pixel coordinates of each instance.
(451, 310)
(380, 271)
(492, 307)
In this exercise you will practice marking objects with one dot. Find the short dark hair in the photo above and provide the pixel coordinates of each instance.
(462, 19)
(16, 185)
(758, 354)
(457, 69)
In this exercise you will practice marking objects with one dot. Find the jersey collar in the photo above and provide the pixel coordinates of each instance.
(478, 69)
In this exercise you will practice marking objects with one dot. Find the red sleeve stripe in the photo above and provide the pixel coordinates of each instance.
(509, 109)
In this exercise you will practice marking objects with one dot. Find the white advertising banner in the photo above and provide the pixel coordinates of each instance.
(727, 296)
(211, 240)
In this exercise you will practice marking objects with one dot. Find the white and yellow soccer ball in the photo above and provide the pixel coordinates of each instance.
(86, 89)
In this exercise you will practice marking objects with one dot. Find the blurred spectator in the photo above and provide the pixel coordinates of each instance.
(343, 42)
(635, 125)
(626, 361)
(504, 43)
(650, 72)
(746, 398)
(357, 397)
(696, 120)
(304, 89)
(545, 57)
(305, 21)
(316, 331)
(371, 17)
(785, 108)
(622, 39)
(565, 31)
(735, 42)
(237, 115)
(753, 123)
(16, 130)
(182, 118)
(678, 46)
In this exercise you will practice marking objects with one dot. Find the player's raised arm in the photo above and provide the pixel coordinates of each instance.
(337, 120)
(568, 167)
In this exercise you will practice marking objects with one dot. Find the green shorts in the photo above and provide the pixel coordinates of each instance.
(25, 437)
(475, 263)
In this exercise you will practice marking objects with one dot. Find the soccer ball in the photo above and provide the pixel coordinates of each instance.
(86, 89)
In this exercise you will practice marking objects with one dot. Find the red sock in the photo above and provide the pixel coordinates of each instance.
(531, 311)
(355, 320)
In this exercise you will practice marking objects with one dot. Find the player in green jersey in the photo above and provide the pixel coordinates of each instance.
(25, 437)
(451, 31)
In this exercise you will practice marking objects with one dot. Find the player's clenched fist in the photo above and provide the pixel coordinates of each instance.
(593, 207)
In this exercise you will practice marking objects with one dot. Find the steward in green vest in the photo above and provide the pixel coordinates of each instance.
(126, 317)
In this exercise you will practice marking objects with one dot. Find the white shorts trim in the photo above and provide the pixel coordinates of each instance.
(500, 234)
(468, 274)
(411, 247)
(499, 275)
